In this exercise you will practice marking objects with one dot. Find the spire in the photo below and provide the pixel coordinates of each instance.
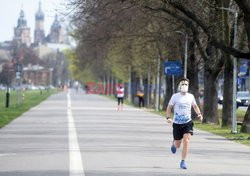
(39, 13)
(56, 24)
(21, 22)
(22, 6)
(22, 14)
(40, 6)
(22, 11)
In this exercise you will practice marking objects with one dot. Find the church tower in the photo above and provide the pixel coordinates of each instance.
(39, 34)
(22, 32)
(56, 32)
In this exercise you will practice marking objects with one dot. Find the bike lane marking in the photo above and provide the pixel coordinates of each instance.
(75, 159)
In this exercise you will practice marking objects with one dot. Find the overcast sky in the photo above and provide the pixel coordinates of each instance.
(10, 10)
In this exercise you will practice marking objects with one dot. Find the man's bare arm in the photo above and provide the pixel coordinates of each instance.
(198, 112)
(168, 113)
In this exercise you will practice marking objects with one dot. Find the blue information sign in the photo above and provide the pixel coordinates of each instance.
(172, 68)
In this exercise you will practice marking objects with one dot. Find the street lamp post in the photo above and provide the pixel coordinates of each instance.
(185, 53)
(234, 118)
(234, 123)
(157, 103)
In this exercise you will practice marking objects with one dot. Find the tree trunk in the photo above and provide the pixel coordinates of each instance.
(155, 88)
(146, 94)
(115, 86)
(246, 122)
(133, 87)
(136, 88)
(169, 91)
(211, 72)
(129, 92)
(210, 107)
(148, 86)
(104, 84)
(192, 74)
(107, 88)
(228, 68)
(227, 92)
(247, 27)
(111, 85)
(212, 68)
(245, 7)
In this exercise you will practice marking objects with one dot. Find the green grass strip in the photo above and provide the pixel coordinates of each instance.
(27, 99)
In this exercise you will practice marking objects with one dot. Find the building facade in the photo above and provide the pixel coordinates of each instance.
(22, 31)
(45, 46)
(37, 75)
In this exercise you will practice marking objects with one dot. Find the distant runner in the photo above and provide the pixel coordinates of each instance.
(120, 95)
(182, 122)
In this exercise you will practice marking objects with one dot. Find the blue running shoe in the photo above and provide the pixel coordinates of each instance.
(173, 148)
(183, 165)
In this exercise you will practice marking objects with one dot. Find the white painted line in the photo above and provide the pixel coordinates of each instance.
(7, 154)
(75, 158)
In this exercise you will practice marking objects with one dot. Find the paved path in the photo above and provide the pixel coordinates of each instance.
(76, 134)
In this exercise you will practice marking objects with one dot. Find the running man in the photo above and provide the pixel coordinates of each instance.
(182, 123)
(120, 95)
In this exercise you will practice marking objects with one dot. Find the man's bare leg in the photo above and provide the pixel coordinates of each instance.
(177, 143)
(186, 139)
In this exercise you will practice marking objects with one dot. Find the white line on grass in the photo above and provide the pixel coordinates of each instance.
(75, 159)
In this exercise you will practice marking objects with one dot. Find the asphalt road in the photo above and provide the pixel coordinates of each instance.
(73, 134)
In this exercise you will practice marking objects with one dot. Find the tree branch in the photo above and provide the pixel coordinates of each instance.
(214, 41)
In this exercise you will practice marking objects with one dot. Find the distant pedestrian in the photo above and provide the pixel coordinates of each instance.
(140, 95)
(65, 88)
(120, 96)
(182, 122)
(76, 85)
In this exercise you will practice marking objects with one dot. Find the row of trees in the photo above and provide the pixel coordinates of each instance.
(129, 39)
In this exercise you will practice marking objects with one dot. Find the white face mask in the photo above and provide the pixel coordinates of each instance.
(184, 88)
